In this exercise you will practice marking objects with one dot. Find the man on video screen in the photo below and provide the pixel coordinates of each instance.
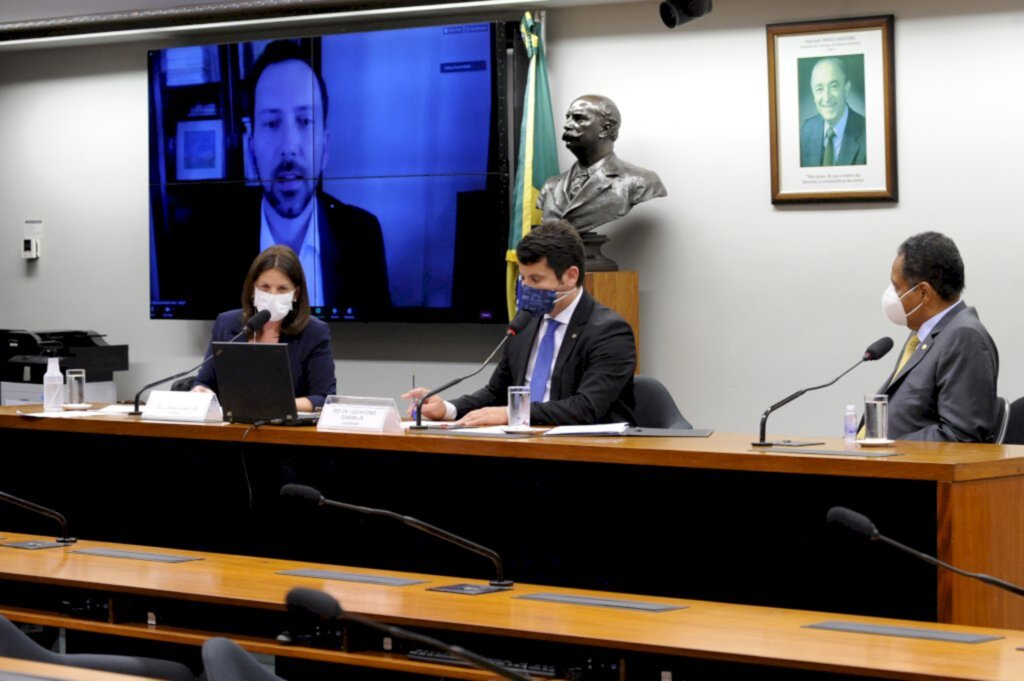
(340, 246)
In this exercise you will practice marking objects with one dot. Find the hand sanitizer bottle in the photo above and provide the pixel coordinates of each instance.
(53, 386)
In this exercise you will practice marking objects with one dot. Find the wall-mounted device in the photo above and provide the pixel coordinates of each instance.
(32, 240)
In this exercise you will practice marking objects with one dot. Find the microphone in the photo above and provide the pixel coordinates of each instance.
(876, 350)
(318, 605)
(41, 510)
(254, 324)
(314, 497)
(862, 525)
(515, 327)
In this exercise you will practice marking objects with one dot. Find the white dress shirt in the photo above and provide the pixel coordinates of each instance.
(309, 251)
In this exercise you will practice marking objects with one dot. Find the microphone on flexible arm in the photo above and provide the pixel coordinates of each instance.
(43, 511)
(876, 350)
(313, 496)
(311, 604)
(516, 326)
(862, 525)
(255, 323)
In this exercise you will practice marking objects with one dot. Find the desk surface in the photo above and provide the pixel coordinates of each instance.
(58, 671)
(935, 461)
(703, 629)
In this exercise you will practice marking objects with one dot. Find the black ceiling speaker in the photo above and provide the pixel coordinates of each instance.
(676, 12)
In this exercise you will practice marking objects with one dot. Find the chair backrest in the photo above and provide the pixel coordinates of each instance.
(1014, 434)
(1004, 419)
(16, 643)
(655, 407)
(224, 660)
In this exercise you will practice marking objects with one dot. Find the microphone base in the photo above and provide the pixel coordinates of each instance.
(418, 427)
(502, 583)
(66, 540)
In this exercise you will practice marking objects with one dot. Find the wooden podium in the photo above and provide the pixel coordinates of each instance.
(621, 292)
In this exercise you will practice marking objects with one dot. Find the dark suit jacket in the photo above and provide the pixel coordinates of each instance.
(947, 390)
(309, 354)
(591, 380)
(219, 226)
(852, 152)
(609, 193)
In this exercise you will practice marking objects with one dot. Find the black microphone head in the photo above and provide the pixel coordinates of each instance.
(303, 492)
(857, 522)
(258, 320)
(318, 604)
(879, 349)
(519, 322)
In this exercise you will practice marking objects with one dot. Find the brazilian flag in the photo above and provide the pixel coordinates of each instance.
(538, 157)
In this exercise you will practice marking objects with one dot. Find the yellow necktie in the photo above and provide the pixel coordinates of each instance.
(908, 351)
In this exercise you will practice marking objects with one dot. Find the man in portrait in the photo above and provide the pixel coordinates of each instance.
(836, 135)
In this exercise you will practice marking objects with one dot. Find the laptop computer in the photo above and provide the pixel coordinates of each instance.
(255, 384)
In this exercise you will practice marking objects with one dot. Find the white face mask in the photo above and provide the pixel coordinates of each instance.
(892, 305)
(277, 304)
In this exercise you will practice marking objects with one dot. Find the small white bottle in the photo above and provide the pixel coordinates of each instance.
(850, 424)
(53, 386)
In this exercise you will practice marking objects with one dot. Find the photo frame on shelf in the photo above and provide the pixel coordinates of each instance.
(832, 110)
(199, 150)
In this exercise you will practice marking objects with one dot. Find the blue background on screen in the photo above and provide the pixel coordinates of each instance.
(396, 116)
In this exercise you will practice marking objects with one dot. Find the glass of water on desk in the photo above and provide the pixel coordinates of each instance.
(518, 407)
(876, 417)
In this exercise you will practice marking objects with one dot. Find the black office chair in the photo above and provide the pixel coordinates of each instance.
(16, 643)
(1004, 419)
(655, 407)
(1015, 424)
(225, 660)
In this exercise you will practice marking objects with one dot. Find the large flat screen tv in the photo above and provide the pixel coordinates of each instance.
(381, 157)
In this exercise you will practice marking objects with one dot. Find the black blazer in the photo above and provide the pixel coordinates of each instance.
(309, 354)
(591, 381)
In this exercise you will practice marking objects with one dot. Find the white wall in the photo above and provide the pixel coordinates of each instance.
(741, 302)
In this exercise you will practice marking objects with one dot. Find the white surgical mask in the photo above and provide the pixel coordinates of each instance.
(892, 305)
(277, 304)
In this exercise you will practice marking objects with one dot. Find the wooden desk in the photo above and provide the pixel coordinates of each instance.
(642, 640)
(596, 512)
(59, 672)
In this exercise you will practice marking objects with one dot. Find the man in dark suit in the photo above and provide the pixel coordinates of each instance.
(576, 356)
(836, 135)
(340, 246)
(944, 384)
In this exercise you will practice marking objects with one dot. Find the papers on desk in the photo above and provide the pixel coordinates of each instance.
(65, 414)
(597, 429)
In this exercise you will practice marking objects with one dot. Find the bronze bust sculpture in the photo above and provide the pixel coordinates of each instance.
(599, 187)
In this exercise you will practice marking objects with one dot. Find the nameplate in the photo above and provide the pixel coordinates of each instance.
(137, 555)
(903, 632)
(348, 414)
(603, 602)
(33, 545)
(176, 405)
(352, 577)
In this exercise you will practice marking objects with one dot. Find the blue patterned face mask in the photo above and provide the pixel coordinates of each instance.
(538, 301)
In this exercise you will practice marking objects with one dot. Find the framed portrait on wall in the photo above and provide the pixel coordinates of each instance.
(199, 150)
(832, 110)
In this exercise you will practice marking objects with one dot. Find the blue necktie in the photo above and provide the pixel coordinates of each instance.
(542, 365)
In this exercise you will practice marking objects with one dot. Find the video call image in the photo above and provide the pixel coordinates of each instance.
(374, 155)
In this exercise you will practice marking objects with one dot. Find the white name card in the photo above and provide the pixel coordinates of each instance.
(175, 405)
(348, 414)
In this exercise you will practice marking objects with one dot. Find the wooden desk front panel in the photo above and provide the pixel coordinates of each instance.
(716, 631)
